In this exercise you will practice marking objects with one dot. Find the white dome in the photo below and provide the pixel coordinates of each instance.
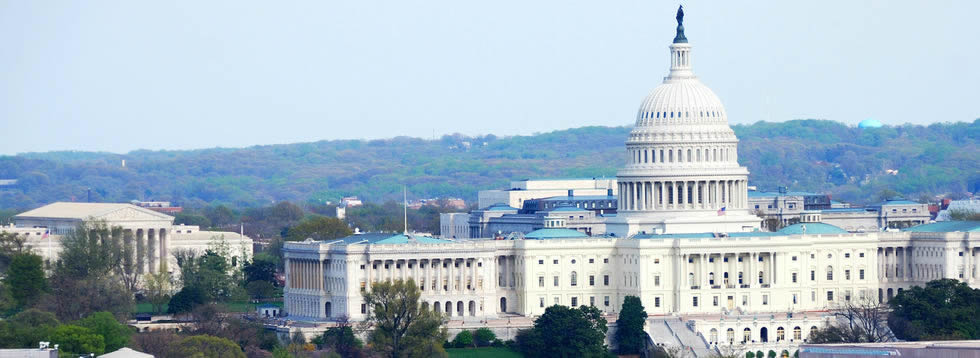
(681, 101)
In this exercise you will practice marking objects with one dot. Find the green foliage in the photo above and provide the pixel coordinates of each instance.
(25, 279)
(402, 327)
(749, 355)
(185, 300)
(484, 337)
(115, 334)
(192, 219)
(158, 289)
(484, 352)
(942, 310)
(341, 339)
(565, 332)
(10, 245)
(463, 339)
(772, 354)
(205, 346)
(262, 268)
(26, 328)
(210, 274)
(629, 327)
(260, 289)
(318, 228)
(812, 155)
(77, 340)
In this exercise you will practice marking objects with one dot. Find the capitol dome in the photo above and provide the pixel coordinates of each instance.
(681, 100)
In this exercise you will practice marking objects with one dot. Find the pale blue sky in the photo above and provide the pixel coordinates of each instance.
(123, 75)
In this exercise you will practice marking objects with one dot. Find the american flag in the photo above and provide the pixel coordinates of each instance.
(721, 211)
(45, 235)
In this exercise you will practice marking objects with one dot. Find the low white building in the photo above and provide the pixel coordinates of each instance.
(153, 235)
(521, 190)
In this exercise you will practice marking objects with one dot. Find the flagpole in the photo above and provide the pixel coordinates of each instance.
(405, 198)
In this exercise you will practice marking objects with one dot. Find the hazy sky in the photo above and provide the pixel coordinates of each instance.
(123, 75)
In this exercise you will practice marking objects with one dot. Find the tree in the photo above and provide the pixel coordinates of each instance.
(77, 340)
(943, 309)
(115, 334)
(484, 336)
(629, 327)
(155, 342)
(25, 279)
(260, 289)
(158, 289)
(342, 340)
(262, 268)
(319, 228)
(26, 328)
(11, 245)
(463, 339)
(566, 332)
(211, 274)
(72, 299)
(403, 327)
(185, 300)
(204, 346)
(865, 319)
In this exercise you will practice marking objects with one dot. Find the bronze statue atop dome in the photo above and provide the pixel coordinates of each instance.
(680, 26)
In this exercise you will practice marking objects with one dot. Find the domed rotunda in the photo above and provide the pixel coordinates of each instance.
(682, 173)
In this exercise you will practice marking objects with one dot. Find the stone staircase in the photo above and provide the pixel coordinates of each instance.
(689, 338)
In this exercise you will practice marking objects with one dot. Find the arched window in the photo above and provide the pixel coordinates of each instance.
(690, 278)
(713, 337)
(830, 273)
(731, 335)
(671, 114)
(780, 334)
(670, 155)
(797, 333)
(813, 331)
(746, 335)
(699, 154)
(711, 278)
(574, 278)
(760, 276)
(689, 155)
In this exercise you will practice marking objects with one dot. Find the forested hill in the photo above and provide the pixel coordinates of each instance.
(812, 155)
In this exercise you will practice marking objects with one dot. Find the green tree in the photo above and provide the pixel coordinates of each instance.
(192, 219)
(211, 273)
(402, 327)
(566, 332)
(463, 339)
(77, 340)
(943, 309)
(484, 336)
(341, 339)
(158, 289)
(115, 334)
(26, 328)
(204, 346)
(262, 268)
(25, 279)
(185, 300)
(11, 245)
(629, 327)
(319, 228)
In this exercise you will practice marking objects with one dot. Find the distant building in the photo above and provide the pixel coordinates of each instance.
(340, 212)
(789, 207)
(158, 206)
(45, 350)
(965, 206)
(521, 190)
(350, 201)
(454, 225)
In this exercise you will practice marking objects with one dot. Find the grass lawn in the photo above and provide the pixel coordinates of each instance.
(483, 352)
(146, 307)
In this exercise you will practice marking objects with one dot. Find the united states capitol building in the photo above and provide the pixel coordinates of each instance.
(677, 228)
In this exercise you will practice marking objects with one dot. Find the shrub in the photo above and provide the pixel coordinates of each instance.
(484, 337)
(463, 339)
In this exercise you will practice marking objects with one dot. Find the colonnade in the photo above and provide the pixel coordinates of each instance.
(906, 263)
(706, 270)
(149, 248)
(686, 194)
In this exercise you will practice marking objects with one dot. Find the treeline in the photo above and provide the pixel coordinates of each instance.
(814, 155)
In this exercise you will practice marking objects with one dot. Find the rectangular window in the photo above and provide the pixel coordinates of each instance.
(605, 261)
(794, 298)
(830, 296)
(794, 258)
(765, 300)
(861, 255)
(591, 261)
(555, 262)
(591, 280)
(540, 262)
(714, 301)
(605, 301)
(656, 261)
(794, 277)
(591, 300)
(830, 275)
(605, 280)
(656, 302)
(813, 275)
(556, 281)
(847, 255)
(362, 267)
(813, 296)
(745, 300)
(556, 300)
(695, 301)
(540, 301)
(540, 281)
(656, 280)
(861, 274)
(574, 301)
(847, 274)
(363, 308)
(847, 295)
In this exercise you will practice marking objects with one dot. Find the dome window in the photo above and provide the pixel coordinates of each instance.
(671, 114)
(658, 114)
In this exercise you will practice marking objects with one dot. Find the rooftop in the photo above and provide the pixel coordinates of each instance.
(545, 234)
(706, 235)
(947, 226)
(82, 211)
(580, 197)
(811, 228)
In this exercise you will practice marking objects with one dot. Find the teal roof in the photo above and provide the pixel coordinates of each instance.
(545, 234)
(812, 228)
(500, 207)
(706, 235)
(947, 226)
(581, 197)
(870, 123)
(568, 208)
(754, 193)
(897, 202)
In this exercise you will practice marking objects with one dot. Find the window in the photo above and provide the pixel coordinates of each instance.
(363, 308)
(605, 260)
(605, 280)
(605, 301)
(540, 301)
(861, 255)
(794, 258)
(556, 281)
(656, 261)
(574, 301)
(847, 255)
(555, 262)
(591, 261)
(830, 296)
(714, 301)
(830, 273)
(830, 256)
(574, 279)
(813, 275)
(765, 300)
(695, 301)
(556, 300)
(656, 302)
(861, 274)
(847, 295)
(540, 281)
(656, 280)
(573, 261)
(362, 267)
(794, 298)
(797, 334)
(812, 256)
(591, 280)
(794, 277)
(540, 262)
(847, 274)
(745, 300)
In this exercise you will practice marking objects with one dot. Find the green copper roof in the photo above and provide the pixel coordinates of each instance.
(500, 207)
(568, 208)
(812, 228)
(545, 234)
(947, 226)
(402, 239)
